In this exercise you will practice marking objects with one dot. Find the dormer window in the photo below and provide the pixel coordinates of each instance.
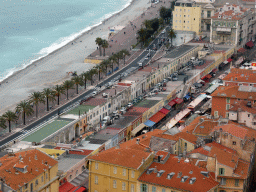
(170, 175)
(150, 170)
(183, 179)
(160, 173)
(219, 16)
(192, 180)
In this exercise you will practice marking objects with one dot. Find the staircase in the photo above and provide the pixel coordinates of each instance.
(82, 179)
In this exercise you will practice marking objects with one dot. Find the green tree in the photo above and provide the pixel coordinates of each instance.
(25, 108)
(142, 36)
(118, 56)
(112, 60)
(58, 90)
(99, 69)
(68, 84)
(98, 41)
(3, 122)
(125, 53)
(104, 46)
(105, 64)
(77, 81)
(92, 72)
(9, 116)
(49, 95)
(172, 35)
(85, 76)
(36, 98)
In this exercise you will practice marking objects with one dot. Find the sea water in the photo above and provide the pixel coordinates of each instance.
(30, 29)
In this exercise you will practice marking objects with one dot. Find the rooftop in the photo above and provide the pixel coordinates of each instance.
(34, 163)
(178, 174)
(111, 92)
(46, 131)
(123, 122)
(82, 108)
(146, 103)
(94, 102)
(177, 52)
(69, 160)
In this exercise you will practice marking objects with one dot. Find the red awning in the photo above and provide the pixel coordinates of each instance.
(249, 44)
(178, 100)
(171, 103)
(214, 70)
(157, 117)
(241, 50)
(208, 76)
(164, 111)
(229, 60)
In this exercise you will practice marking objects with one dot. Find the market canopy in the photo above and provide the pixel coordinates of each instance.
(149, 123)
(164, 111)
(187, 96)
(249, 44)
(229, 60)
(171, 103)
(214, 70)
(157, 117)
(137, 129)
(178, 100)
(241, 50)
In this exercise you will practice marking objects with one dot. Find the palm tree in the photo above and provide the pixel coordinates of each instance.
(118, 56)
(2, 122)
(112, 60)
(25, 108)
(125, 53)
(36, 98)
(142, 36)
(99, 43)
(92, 72)
(105, 64)
(9, 116)
(77, 81)
(58, 90)
(85, 76)
(68, 85)
(49, 95)
(99, 69)
(104, 45)
(172, 34)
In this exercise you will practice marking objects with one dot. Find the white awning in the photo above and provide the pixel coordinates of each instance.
(223, 29)
(137, 129)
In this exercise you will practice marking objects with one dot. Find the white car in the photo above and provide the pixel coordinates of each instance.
(129, 105)
(94, 93)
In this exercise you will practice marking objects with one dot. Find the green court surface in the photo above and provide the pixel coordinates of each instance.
(82, 108)
(46, 131)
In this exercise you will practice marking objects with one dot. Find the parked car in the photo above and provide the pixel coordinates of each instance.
(129, 105)
(106, 120)
(123, 110)
(175, 78)
(105, 95)
(94, 93)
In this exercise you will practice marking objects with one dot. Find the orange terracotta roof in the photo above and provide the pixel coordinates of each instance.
(233, 92)
(164, 154)
(201, 125)
(242, 105)
(236, 77)
(224, 155)
(173, 165)
(181, 135)
(242, 169)
(32, 159)
(20, 165)
(123, 157)
(234, 130)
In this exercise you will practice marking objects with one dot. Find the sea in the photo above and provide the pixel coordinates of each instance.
(30, 30)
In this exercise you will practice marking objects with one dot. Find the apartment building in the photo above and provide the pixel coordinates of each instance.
(225, 96)
(232, 24)
(29, 171)
(187, 16)
(208, 11)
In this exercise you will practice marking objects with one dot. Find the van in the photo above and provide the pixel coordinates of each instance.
(106, 120)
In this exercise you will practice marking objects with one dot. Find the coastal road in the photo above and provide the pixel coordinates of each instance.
(130, 67)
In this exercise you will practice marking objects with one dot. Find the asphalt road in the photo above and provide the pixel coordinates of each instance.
(86, 94)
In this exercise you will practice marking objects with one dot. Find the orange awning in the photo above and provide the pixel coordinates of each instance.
(157, 117)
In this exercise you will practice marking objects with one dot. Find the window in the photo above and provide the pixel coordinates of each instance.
(114, 184)
(186, 146)
(223, 181)
(208, 14)
(228, 100)
(42, 179)
(123, 186)
(227, 114)
(236, 182)
(124, 172)
(133, 174)
(234, 143)
(96, 166)
(227, 106)
(132, 188)
(249, 115)
(221, 171)
(153, 189)
(216, 114)
(46, 175)
(26, 186)
(115, 170)
(96, 180)
(36, 183)
(143, 188)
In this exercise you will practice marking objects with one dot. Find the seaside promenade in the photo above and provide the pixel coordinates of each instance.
(126, 40)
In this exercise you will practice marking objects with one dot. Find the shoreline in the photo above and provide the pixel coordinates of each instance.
(52, 69)
(93, 27)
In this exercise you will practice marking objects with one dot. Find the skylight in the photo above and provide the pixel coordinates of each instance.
(159, 173)
(192, 180)
(170, 175)
(184, 178)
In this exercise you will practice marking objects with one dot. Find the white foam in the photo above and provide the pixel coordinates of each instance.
(60, 43)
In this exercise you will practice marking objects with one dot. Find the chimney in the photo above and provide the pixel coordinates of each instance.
(155, 170)
(138, 141)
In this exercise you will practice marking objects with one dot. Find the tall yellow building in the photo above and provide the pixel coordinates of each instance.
(187, 16)
(28, 171)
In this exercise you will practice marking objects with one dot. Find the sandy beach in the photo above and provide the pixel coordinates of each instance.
(52, 69)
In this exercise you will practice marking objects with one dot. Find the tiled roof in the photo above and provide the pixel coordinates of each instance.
(182, 169)
(138, 109)
(164, 154)
(242, 105)
(77, 151)
(182, 135)
(32, 159)
(123, 157)
(233, 92)
(236, 77)
(232, 129)
(242, 169)
(201, 125)
(67, 187)
(224, 155)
